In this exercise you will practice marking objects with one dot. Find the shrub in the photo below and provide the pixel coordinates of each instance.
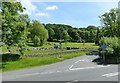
(68, 48)
(10, 57)
(112, 49)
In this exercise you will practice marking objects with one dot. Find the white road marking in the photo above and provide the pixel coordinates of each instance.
(100, 66)
(84, 60)
(77, 61)
(111, 74)
(30, 74)
(50, 72)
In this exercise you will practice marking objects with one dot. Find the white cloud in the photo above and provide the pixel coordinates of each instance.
(30, 7)
(42, 14)
(54, 7)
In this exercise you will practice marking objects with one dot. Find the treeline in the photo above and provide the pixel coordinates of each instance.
(68, 33)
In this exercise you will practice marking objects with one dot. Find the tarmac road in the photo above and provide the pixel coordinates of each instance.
(77, 69)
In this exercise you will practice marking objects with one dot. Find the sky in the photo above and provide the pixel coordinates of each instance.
(77, 14)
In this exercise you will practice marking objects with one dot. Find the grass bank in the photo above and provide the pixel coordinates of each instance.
(36, 61)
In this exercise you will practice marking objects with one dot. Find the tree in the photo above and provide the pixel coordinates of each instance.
(93, 32)
(14, 25)
(38, 32)
(97, 37)
(58, 32)
(65, 36)
(36, 41)
(51, 34)
(73, 34)
(110, 22)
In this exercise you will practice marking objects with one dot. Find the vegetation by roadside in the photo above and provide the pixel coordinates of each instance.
(36, 61)
(112, 49)
(51, 45)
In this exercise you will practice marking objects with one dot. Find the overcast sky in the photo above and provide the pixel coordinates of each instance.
(76, 14)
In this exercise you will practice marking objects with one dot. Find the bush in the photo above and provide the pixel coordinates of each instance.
(112, 49)
(68, 48)
(10, 57)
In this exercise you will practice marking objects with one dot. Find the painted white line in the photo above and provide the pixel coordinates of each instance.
(87, 67)
(71, 67)
(72, 81)
(111, 74)
(79, 60)
(85, 60)
(30, 74)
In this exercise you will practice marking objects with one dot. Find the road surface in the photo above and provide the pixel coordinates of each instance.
(77, 69)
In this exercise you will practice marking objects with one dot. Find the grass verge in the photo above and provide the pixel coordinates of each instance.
(36, 61)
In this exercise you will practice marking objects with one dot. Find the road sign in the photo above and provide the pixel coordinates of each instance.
(103, 46)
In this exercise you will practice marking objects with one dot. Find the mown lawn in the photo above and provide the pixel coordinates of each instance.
(51, 45)
(43, 51)
(36, 61)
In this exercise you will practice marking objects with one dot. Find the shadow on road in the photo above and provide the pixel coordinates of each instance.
(98, 61)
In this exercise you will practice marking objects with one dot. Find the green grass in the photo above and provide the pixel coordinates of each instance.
(51, 45)
(69, 56)
(42, 51)
(36, 61)
(71, 44)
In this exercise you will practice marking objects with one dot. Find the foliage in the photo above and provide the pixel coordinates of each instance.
(36, 61)
(14, 24)
(36, 41)
(51, 34)
(51, 45)
(110, 23)
(57, 31)
(66, 36)
(10, 57)
(38, 34)
(113, 47)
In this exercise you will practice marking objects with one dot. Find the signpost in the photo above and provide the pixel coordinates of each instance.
(61, 50)
(103, 46)
(60, 44)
